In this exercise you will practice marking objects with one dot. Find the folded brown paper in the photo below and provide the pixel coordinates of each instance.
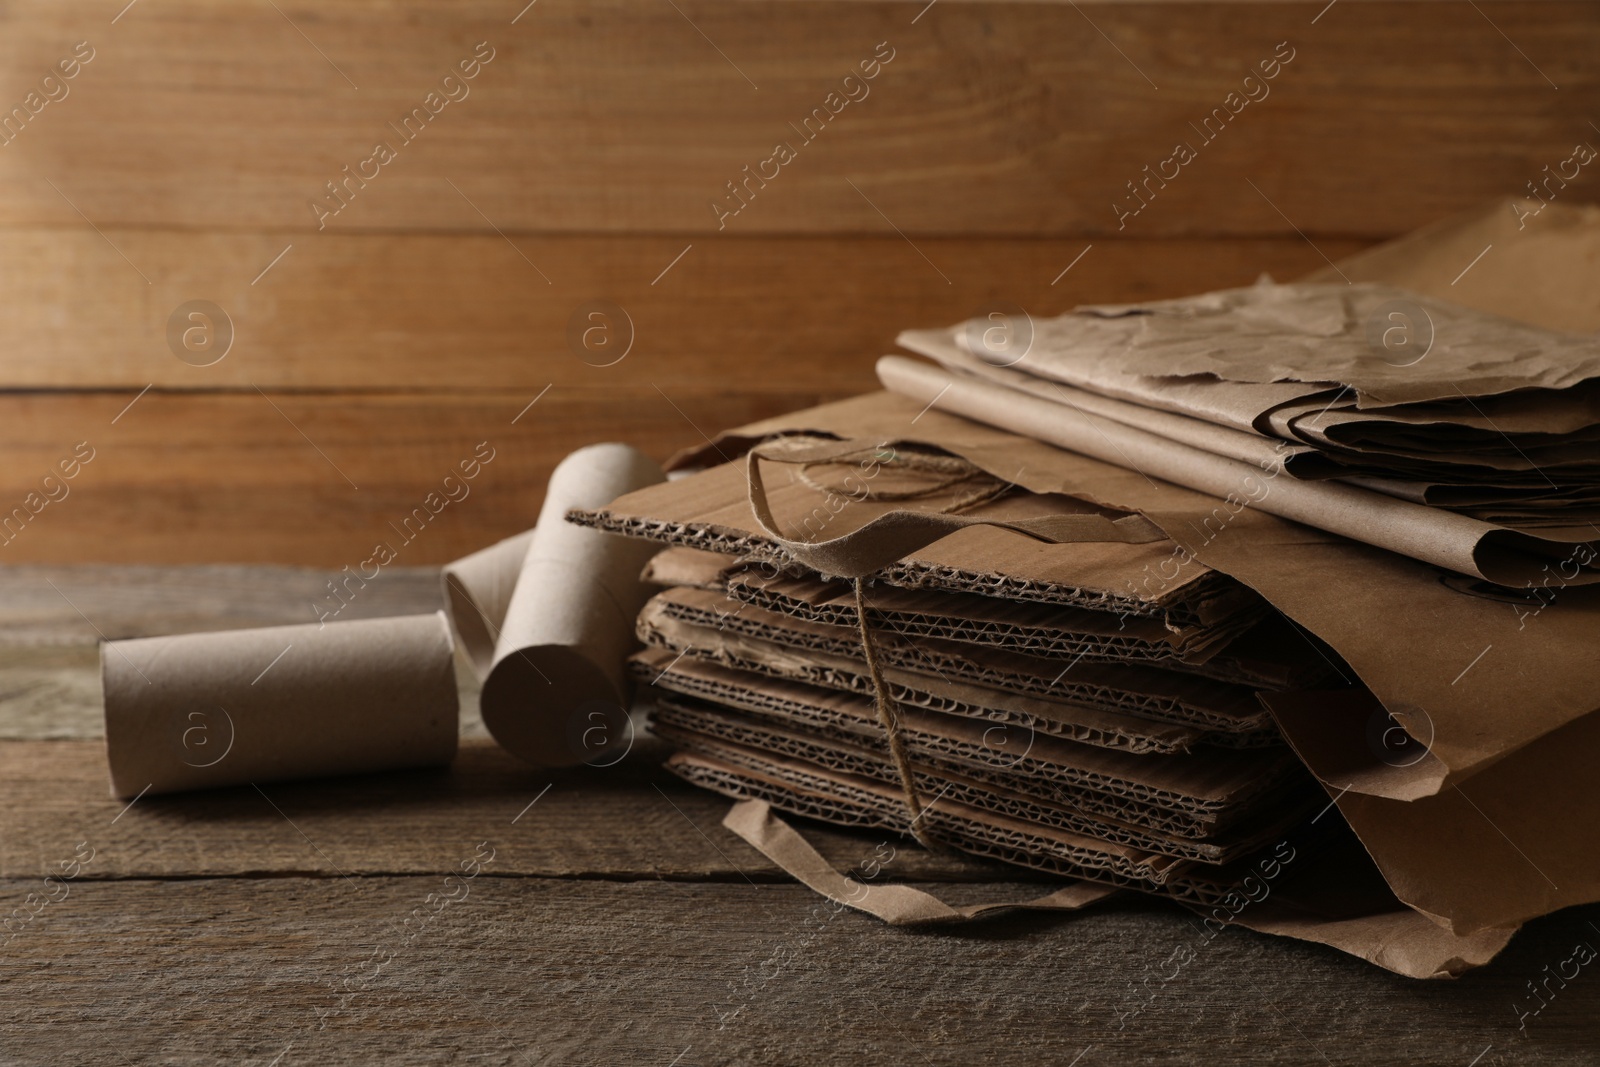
(558, 674)
(1303, 337)
(1446, 539)
(1415, 398)
(196, 711)
(1511, 843)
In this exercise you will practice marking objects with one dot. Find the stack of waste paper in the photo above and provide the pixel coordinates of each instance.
(1279, 602)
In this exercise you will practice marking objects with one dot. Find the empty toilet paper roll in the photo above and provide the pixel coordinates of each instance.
(477, 589)
(557, 690)
(196, 711)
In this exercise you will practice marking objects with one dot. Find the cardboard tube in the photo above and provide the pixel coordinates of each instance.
(558, 691)
(198, 711)
(477, 592)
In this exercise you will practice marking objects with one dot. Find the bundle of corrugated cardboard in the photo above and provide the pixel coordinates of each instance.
(1080, 730)
(1080, 642)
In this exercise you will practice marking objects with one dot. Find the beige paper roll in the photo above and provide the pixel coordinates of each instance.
(477, 590)
(197, 711)
(558, 691)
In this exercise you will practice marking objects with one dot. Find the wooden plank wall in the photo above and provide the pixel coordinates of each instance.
(379, 337)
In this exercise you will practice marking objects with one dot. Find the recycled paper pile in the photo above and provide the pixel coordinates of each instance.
(1143, 600)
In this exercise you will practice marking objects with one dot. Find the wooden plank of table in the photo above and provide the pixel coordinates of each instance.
(632, 115)
(315, 478)
(465, 311)
(629, 821)
(528, 970)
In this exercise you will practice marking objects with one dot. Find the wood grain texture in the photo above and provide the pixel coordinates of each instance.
(534, 971)
(314, 478)
(632, 115)
(630, 821)
(462, 312)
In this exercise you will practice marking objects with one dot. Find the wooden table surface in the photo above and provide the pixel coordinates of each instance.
(617, 921)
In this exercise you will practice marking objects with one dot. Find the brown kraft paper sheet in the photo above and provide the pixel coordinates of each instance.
(1541, 270)
(1518, 840)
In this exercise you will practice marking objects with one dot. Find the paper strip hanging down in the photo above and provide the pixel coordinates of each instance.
(547, 617)
(897, 905)
(197, 711)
